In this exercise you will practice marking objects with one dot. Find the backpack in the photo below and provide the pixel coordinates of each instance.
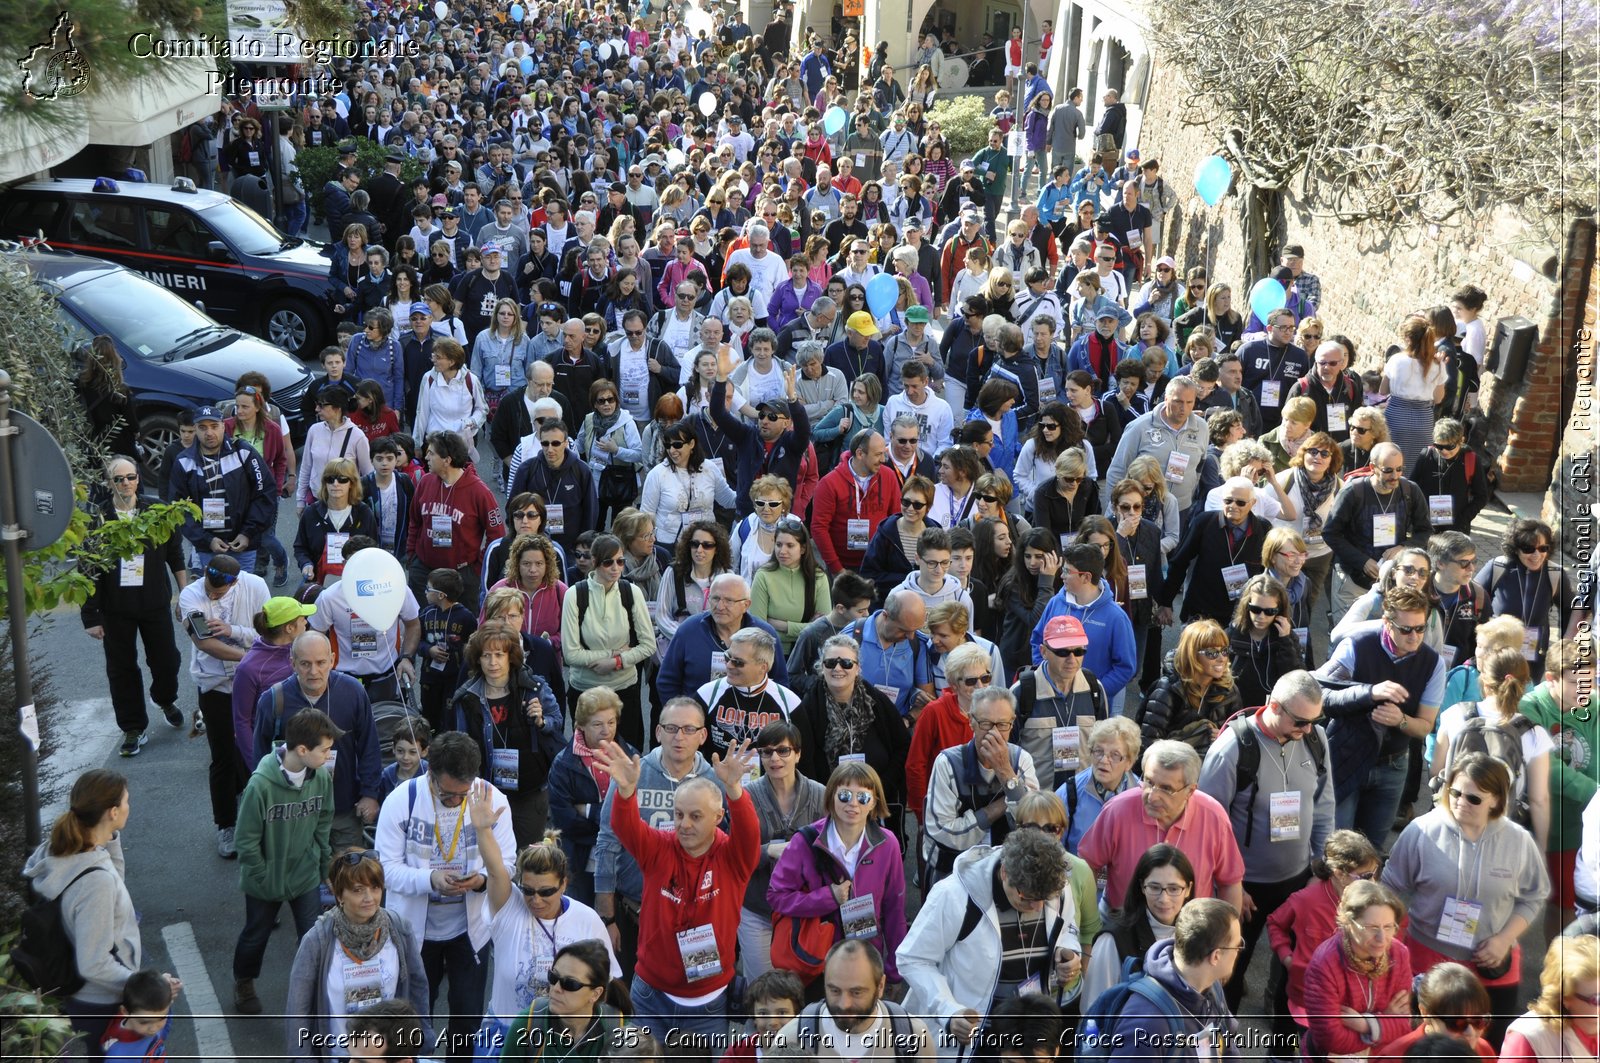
(1027, 695)
(1249, 763)
(185, 151)
(1503, 742)
(44, 953)
(626, 590)
(1096, 1040)
(1497, 570)
(904, 1035)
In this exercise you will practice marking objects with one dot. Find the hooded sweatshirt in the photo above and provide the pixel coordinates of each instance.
(282, 836)
(98, 915)
(1112, 649)
(1575, 766)
(1140, 1033)
(615, 869)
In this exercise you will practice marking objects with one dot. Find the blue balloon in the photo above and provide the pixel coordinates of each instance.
(1212, 178)
(517, 13)
(834, 120)
(1267, 295)
(526, 64)
(882, 293)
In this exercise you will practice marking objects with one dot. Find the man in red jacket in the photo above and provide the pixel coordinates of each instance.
(851, 501)
(454, 516)
(694, 883)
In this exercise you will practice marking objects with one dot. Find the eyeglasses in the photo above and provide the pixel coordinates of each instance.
(680, 729)
(860, 797)
(781, 752)
(1044, 828)
(355, 859)
(605, 400)
(126, 478)
(1544, 549)
(552, 444)
(634, 333)
(1472, 799)
(845, 663)
(1215, 653)
(718, 599)
(1110, 756)
(991, 725)
(1464, 562)
(1229, 503)
(1374, 931)
(611, 562)
(1264, 610)
(1402, 629)
(1167, 790)
(525, 514)
(1049, 426)
(538, 891)
(1156, 889)
(452, 797)
(1333, 364)
(736, 662)
(1125, 507)
(1295, 721)
(931, 563)
(912, 503)
(1412, 570)
(702, 544)
(1359, 430)
(570, 984)
(1068, 651)
(336, 479)
(1391, 470)
(684, 295)
(978, 680)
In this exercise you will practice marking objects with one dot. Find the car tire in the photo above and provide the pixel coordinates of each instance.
(294, 325)
(157, 432)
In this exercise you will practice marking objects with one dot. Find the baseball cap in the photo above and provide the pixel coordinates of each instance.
(1133, 153)
(1105, 312)
(862, 322)
(914, 222)
(966, 164)
(971, 217)
(775, 405)
(1167, 260)
(917, 314)
(207, 413)
(420, 308)
(490, 247)
(281, 610)
(1065, 632)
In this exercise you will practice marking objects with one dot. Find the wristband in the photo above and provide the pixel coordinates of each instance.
(618, 659)
(608, 920)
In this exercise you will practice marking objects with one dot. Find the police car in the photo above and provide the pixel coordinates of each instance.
(173, 356)
(204, 246)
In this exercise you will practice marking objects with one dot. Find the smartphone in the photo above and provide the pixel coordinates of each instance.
(199, 626)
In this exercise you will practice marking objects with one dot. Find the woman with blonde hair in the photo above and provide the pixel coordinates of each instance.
(1358, 984)
(1563, 1022)
(329, 522)
(500, 353)
(1285, 441)
(1160, 507)
(1311, 484)
(1195, 694)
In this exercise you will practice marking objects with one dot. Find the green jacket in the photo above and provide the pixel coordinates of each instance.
(999, 168)
(1574, 763)
(530, 1036)
(282, 832)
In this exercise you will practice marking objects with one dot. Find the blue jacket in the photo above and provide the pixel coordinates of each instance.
(1112, 650)
(1055, 202)
(572, 486)
(755, 460)
(249, 490)
(1142, 1030)
(404, 489)
(885, 563)
(687, 665)
(358, 771)
(1006, 445)
(1078, 358)
(571, 785)
(386, 365)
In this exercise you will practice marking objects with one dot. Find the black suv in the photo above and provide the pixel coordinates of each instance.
(173, 356)
(204, 246)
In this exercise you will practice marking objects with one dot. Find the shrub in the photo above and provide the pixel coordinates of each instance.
(965, 123)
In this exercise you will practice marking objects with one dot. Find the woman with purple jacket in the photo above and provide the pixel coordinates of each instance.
(265, 663)
(846, 866)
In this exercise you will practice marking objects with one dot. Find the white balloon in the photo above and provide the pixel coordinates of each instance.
(441, 9)
(374, 586)
(708, 104)
(676, 159)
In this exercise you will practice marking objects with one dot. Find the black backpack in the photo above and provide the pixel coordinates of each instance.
(625, 589)
(1503, 742)
(1249, 763)
(901, 1031)
(1027, 695)
(44, 954)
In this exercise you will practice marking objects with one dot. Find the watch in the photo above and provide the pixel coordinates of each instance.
(1013, 784)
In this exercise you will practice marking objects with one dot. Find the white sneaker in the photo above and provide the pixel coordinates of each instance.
(225, 847)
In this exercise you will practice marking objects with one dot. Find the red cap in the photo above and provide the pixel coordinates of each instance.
(1065, 632)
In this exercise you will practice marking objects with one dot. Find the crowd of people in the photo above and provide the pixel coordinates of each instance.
(794, 551)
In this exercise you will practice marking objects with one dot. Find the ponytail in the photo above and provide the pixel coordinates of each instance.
(96, 792)
(1503, 672)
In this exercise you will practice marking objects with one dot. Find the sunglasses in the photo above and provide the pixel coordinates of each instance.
(223, 578)
(1126, 508)
(605, 400)
(1296, 721)
(1264, 610)
(126, 478)
(768, 416)
(838, 662)
(860, 797)
(1215, 653)
(1071, 479)
(781, 752)
(1460, 1023)
(1402, 629)
(978, 680)
(678, 444)
(336, 479)
(611, 562)
(702, 544)
(539, 891)
(1229, 503)
(774, 504)
(354, 859)
(1068, 651)
(552, 444)
(1472, 799)
(525, 514)
(570, 984)
(1049, 426)
(1045, 828)
(1533, 549)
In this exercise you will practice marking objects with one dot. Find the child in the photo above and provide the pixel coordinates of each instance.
(333, 367)
(446, 627)
(388, 492)
(184, 441)
(410, 749)
(774, 998)
(139, 1030)
(285, 819)
(582, 557)
(369, 413)
(971, 278)
(409, 465)
(1371, 381)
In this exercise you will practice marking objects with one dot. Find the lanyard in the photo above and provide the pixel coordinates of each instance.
(438, 839)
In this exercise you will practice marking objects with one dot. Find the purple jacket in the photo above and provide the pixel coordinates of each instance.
(798, 889)
(1036, 128)
(783, 306)
(263, 665)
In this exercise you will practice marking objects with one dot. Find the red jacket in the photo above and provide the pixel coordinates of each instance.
(1330, 984)
(682, 892)
(941, 725)
(839, 501)
(474, 514)
(1298, 926)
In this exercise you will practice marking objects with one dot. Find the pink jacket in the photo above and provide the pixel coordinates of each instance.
(1298, 926)
(1330, 984)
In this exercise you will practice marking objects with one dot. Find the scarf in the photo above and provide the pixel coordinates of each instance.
(848, 723)
(581, 750)
(362, 940)
(640, 573)
(1312, 496)
(604, 423)
(1370, 969)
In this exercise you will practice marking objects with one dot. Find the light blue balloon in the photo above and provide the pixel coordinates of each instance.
(834, 120)
(517, 13)
(1212, 178)
(1267, 295)
(526, 64)
(882, 293)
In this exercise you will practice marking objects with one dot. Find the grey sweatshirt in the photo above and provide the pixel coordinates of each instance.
(1284, 769)
(1504, 871)
(98, 913)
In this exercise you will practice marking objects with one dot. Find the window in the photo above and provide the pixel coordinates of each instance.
(177, 232)
(27, 216)
(106, 222)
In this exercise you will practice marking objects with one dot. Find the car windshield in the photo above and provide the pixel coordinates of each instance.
(248, 232)
(143, 315)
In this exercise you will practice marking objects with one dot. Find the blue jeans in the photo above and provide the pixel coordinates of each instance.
(246, 559)
(468, 974)
(258, 917)
(294, 218)
(673, 1023)
(1370, 802)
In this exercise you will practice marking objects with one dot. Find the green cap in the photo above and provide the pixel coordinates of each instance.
(281, 610)
(917, 315)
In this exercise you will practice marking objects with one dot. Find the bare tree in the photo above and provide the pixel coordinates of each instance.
(1394, 112)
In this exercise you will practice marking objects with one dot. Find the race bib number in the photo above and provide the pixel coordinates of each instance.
(1303, 636)
(1271, 392)
(892, 693)
(1530, 641)
(130, 573)
(1459, 924)
(856, 532)
(441, 532)
(861, 159)
(363, 638)
(698, 949)
(335, 547)
(1066, 743)
(1138, 588)
(719, 664)
(1336, 417)
(503, 769)
(214, 513)
(1047, 390)
(632, 396)
(852, 758)
(1177, 466)
(363, 985)
(860, 918)
(1441, 510)
(452, 869)
(1383, 529)
(1284, 808)
(1234, 577)
(1133, 237)
(556, 518)
(502, 375)
(1067, 539)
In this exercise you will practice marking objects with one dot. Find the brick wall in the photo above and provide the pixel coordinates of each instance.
(1563, 394)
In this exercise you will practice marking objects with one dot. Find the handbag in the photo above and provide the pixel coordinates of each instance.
(801, 943)
(619, 485)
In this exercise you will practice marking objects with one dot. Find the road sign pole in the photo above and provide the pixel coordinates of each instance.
(11, 536)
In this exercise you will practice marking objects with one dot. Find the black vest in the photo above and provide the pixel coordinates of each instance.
(1373, 664)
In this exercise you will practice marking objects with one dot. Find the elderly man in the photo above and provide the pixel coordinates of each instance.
(851, 501)
(441, 888)
(860, 351)
(316, 684)
(576, 368)
(699, 650)
(517, 416)
(907, 457)
(1373, 519)
(710, 332)
(854, 1020)
(821, 387)
(1026, 940)
(810, 326)
(895, 656)
(745, 698)
(974, 787)
(767, 268)
(1174, 435)
(1394, 687)
(1281, 817)
(694, 884)
(1335, 392)
(1225, 550)
(1058, 702)
(1167, 807)
(680, 327)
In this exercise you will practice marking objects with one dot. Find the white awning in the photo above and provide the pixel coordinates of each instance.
(159, 103)
(28, 147)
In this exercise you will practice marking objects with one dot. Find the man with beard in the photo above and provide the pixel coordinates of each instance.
(855, 1021)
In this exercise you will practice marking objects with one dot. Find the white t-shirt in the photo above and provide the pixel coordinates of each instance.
(1407, 381)
(1473, 339)
(387, 982)
(1535, 743)
(525, 951)
(362, 650)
